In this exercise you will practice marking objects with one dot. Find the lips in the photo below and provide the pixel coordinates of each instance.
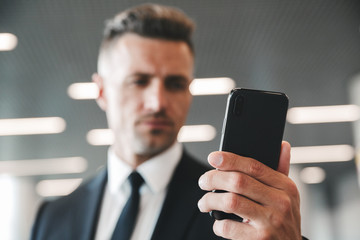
(157, 123)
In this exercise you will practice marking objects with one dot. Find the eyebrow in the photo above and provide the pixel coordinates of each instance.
(177, 77)
(139, 74)
(147, 75)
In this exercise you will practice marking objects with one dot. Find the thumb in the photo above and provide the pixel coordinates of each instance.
(284, 161)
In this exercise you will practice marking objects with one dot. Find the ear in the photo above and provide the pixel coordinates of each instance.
(101, 99)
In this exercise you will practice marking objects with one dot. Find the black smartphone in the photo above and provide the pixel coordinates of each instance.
(253, 127)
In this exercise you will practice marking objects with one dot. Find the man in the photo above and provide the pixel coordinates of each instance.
(145, 67)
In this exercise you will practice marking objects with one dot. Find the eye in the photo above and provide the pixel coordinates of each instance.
(139, 80)
(176, 83)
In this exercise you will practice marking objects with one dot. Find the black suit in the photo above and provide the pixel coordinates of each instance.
(75, 216)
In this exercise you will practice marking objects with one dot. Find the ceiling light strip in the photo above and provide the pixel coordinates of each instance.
(100, 137)
(323, 114)
(312, 175)
(196, 133)
(57, 187)
(51, 166)
(83, 91)
(188, 133)
(30, 126)
(211, 86)
(322, 154)
(8, 41)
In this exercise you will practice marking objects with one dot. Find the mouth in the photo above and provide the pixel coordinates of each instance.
(155, 122)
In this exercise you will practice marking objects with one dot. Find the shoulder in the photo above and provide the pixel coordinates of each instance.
(60, 214)
(67, 203)
(52, 215)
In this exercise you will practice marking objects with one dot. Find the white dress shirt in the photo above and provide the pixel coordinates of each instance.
(156, 173)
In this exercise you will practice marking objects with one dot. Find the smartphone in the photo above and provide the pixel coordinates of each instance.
(253, 127)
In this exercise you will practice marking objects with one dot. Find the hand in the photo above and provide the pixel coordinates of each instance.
(268, 200)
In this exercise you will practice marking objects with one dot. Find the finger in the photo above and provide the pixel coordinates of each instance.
(284, 161)
(231, 203)
(239, 183)
(233, 230)
(227, 161)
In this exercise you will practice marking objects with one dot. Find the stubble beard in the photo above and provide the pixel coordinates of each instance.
(153, 143)
(148, 143)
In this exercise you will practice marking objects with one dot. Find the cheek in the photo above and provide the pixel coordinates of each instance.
(120, 111)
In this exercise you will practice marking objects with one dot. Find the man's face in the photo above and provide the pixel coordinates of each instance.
(146, 93)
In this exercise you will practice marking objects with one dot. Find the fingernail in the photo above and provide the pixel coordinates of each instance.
(200, 204)
(201, 182)
(215, 159)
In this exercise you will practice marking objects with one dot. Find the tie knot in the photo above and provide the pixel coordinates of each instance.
(135, 180)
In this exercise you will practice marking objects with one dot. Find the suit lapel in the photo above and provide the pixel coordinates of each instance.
(90, 207)
(180, 204)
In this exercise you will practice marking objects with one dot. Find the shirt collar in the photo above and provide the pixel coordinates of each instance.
(156, 171)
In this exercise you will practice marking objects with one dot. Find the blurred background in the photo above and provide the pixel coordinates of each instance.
(53, 136)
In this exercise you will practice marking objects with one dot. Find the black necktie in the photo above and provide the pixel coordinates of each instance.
(127, 219)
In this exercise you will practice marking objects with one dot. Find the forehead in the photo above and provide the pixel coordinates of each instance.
(132, 52)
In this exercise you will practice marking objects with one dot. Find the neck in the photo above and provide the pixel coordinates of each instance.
(132, 159)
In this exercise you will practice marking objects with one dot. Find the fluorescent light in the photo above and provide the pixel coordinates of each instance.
(8, 206)
(100, 137)
(57, 187)
(312, 175)
(196, 133)
(190, 133)
(29, 126)
(43, 166)
(211, 86)
(82, 91)
(8, 41)
(317, 154)
(323, 114)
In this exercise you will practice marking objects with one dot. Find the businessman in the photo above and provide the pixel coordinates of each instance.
(149, 188)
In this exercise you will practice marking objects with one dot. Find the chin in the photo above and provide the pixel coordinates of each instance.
(151, 146)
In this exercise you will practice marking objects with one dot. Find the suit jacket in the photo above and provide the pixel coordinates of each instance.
(75, 216)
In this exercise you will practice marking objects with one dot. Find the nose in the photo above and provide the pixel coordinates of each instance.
(156, 97)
